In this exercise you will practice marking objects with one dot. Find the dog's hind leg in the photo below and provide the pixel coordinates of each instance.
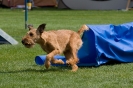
(74, 45)
(70, 60)
(74, 60)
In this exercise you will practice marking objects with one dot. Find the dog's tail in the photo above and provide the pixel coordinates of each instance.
(82, 29)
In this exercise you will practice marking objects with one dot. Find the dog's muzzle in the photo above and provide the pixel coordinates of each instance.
(27, 43)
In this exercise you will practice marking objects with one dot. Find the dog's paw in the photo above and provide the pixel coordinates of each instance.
(60, 61)
(68, 63)
(74, 68)
(55, 61)
(47, 65)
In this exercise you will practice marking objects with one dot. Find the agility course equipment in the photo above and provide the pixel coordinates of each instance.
(103, 44)
(17, 3)
(95, 4)
(6, 39)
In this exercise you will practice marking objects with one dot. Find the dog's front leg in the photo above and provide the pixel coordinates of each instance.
(50, 56)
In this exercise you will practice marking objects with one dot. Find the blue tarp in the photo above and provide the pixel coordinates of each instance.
(105, 43)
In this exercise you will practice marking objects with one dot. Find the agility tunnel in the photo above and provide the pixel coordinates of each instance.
(102, 44)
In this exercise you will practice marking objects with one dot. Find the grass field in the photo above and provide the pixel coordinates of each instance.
(17, 66)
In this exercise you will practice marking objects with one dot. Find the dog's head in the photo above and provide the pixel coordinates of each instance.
(33, 35)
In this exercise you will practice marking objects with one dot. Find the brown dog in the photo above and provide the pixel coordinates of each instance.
(56, 42)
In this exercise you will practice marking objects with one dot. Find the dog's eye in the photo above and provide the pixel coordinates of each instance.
(31, 34)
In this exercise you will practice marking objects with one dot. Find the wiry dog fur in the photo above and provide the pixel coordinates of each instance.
(63, 41)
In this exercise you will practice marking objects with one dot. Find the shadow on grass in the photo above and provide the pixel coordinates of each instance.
(55, 69)
(35, 68)
(112, 63)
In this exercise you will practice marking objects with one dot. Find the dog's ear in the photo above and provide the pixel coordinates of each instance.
(30, 26)
(41, 28)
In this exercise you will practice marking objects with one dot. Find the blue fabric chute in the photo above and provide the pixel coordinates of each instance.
(105, 43)
(112, 43)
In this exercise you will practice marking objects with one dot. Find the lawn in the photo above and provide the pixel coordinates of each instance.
(17, 66)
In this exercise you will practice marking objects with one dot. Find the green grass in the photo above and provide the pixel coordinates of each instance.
(17, 66)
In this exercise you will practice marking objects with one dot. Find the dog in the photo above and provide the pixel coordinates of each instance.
(63, 41)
